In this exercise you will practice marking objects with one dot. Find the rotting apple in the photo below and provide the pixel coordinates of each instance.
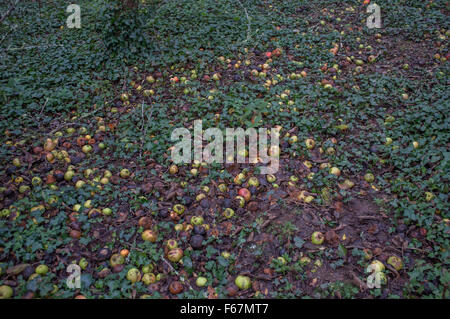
(116, 259)
(245, 193)
(317, 238)
(171, 244)
(134, 275)
(369, 178)
(240, 201)
(310, 143)
(125, 173)
(222, 187)
(176, 287)
(395, 262)
(149, 278)
(179, 209)
(228, 212)
(149, 235)
(175, 255)
(253, 181)
(197, 220)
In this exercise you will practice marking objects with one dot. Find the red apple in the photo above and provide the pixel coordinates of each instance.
(245, 193)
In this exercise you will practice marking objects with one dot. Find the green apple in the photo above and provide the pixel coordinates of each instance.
(36, 181)
(83, 263)
(228, 212)
(377, 266)
(369, 178)
(69, 175)
(149, 235)
(253, 181)
(243, 282)
(124, 173)
(201, 281)
(317, 238)
(179, 209)
(5, 292)
(175, 255)
(172, 244)
(335, 171)
(395, 262)
(41, 270)
(310, 143)
(107, 211)
(133, 275)
(197, 220)
(79, 184)
(116, 259)
(149, 278)
(86, 149)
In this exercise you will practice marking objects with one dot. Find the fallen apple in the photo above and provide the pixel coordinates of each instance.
(116, 259)
(86, 149)
(176, 287)
(5, 292)
(173, 169)
(243, 282)
(83, 263)
(377, 266)
(317, 238)
(124, 173)
(395, 262)
(179, 209)
(149, 278)
(171, 244)
(245, 193)
(148, 268)
(41, 270)
(310, 143)
(150, 235)
(197, 220)
(196, 241)
(69, 175)
(133, 275)
(201, 281)
(240, 200)
(253, 181)
(175, 255)
(369, 178)
(335, 171)
(228, 212)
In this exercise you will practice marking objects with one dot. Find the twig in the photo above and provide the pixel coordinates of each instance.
(11, 8)
(178, 274)
(34, 47)
(249, 28)
(43, 107)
